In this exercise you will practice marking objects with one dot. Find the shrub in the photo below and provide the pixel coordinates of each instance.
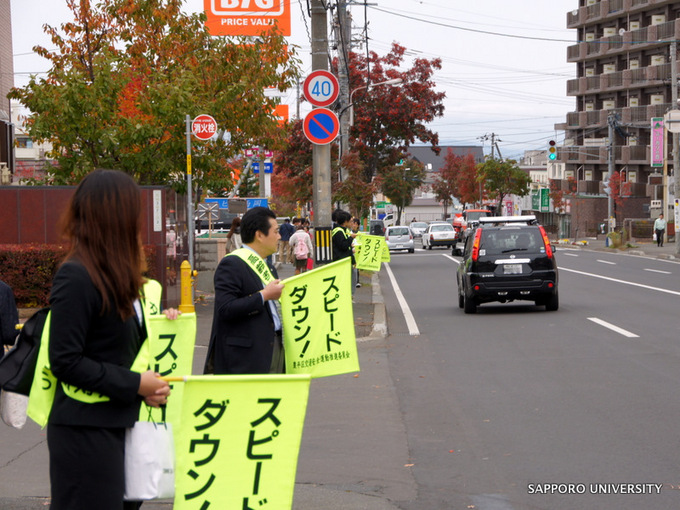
(29, 269)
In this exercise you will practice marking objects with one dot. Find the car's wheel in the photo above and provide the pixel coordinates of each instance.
(461, 300)
(412, 250)
(429, 246)
(469, 305)
(552, 303)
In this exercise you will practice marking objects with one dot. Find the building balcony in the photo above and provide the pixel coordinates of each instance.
(640, 116)
(623, 155)
(646, 38)
(650, 76)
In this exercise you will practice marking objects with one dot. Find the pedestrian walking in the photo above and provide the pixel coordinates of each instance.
(659, 229)
(286, 230)
(234, 235)
(301, 246)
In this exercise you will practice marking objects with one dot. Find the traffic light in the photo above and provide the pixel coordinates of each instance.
(552, 150)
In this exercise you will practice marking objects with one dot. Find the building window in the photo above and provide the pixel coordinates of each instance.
(24, 143)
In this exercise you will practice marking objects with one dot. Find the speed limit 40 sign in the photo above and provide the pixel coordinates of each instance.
(321, 88)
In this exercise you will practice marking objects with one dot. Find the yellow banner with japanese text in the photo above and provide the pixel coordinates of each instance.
(239, 439)
(318, 321)
(171, 345)
(373, 252)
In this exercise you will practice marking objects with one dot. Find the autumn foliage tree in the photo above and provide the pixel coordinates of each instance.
(387, 120)
(620, 190)
(353, 190)
(399, 182)
(126, 73)
(457, 178)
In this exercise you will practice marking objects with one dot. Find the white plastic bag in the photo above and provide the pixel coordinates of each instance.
(13, 408)
(149, 462)
(654, 236)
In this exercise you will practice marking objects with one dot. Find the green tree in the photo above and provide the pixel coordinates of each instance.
(501, 178)
(399, 182)
(124, 75)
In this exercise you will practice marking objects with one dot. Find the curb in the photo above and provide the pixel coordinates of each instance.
(379, 315)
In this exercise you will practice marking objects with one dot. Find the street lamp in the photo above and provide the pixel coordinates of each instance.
(392, 83)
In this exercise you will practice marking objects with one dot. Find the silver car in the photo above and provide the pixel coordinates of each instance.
(399, 238)
(418, 228)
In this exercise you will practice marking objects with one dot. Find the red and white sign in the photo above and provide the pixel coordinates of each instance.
(321, 126)
(321, 88)
(204, 127)
(247, 17)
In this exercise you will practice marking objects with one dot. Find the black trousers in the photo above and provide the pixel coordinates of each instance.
(87, 468)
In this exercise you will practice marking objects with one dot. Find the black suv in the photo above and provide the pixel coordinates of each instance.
(507, 258)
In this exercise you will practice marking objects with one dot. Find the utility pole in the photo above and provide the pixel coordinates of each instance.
(676, 141)
(343, 40)
(610, 171)
(321, 154)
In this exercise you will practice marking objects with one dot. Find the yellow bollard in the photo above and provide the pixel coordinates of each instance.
(186, 302)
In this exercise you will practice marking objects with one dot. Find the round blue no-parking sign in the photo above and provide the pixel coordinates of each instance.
(321, 126)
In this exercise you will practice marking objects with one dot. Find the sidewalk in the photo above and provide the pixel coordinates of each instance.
(639, 248)
(325, 478)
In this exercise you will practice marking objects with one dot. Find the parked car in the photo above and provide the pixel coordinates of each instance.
(438, 234)
(399, 238)
(506, 259)
(418, 228)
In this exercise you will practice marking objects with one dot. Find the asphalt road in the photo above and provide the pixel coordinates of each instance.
(518, 408)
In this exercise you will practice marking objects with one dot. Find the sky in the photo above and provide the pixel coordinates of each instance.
(504, 62)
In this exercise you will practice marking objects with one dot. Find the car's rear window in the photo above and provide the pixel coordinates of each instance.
(441, 228)
(418, 225)
(398, 232)
(507, 240)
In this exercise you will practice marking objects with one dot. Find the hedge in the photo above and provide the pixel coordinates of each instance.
(29, 269)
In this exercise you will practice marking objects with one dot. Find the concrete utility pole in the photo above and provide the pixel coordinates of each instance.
(610, 171)
(321, 154)
(344, 40)
(676, 140)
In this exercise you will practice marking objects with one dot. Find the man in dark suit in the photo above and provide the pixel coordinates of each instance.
(246, 331)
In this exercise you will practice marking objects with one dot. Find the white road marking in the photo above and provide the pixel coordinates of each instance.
(657, 271)
(649, 287)
(450, 257)
(568, 254)
(616, 329)
(606, 262)
(410, 320)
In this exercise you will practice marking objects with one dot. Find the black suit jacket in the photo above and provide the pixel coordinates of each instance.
(92, 351)
(243, 335)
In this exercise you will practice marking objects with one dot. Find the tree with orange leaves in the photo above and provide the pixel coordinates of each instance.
(125, 74)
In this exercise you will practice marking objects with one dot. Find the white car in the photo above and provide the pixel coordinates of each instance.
(438, 234)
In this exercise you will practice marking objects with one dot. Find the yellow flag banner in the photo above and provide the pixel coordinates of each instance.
(318, 321)
(372, 252)
(171, 343)
(238, 443)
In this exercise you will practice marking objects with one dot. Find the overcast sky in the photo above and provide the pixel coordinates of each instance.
(504, 61)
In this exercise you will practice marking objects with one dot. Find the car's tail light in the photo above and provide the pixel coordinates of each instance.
(431, 237)
(546, 241)
(475, 245)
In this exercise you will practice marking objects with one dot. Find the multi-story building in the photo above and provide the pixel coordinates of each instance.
(6, 83)
(623, 68)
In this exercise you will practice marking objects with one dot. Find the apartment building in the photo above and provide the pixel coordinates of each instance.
(6, 83)
(623, 67)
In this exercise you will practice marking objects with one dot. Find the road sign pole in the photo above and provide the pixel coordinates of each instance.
(191, 225)
(321, 154)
